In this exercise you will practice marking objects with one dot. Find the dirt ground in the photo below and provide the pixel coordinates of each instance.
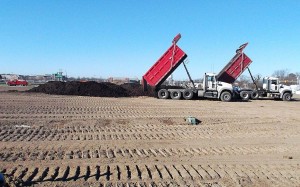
(51, 140)
(5, 88)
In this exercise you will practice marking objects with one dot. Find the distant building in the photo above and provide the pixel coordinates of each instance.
(9, 76)
(123, 80)
(38, 79)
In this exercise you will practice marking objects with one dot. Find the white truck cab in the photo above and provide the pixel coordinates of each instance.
(212, 88)
(210, 83)
(272, 88)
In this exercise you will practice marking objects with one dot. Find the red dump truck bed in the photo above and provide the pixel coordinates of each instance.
(165, 65)
(235, 67)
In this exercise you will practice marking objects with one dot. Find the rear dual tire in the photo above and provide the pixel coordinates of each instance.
(163, 94)
(244, 95)
(254, 95)
(175, 94)
(188, 94)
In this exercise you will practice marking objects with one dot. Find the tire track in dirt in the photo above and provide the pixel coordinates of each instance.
(160, 174)
(81, 141)
(12, 134)
(27, 154)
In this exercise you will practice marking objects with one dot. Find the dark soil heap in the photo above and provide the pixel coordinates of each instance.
(103, 89)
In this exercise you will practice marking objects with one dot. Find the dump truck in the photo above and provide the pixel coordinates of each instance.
(217, 86)
(272, 88)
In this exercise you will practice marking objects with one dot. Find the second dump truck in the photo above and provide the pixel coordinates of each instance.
(219, 86)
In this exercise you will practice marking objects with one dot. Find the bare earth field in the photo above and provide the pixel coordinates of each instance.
(48, 140)
(5, 88)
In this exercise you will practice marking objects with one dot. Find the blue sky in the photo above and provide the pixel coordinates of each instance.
(123, 38)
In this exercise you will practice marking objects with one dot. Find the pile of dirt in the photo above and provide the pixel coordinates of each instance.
(103, 89)
(137, 90)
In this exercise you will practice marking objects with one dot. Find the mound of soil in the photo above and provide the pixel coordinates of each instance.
(137, 90)
(103, 89)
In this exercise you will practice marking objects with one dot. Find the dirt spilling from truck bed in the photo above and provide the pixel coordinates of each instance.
(103, 89)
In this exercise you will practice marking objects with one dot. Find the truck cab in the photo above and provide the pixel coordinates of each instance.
(272, 88)
(271, 84)
(212, 88)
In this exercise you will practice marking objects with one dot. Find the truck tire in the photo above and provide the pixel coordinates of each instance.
(188, 94)
(244, 95)
(287, 96)
(175, 94)
(226, 96)
(163, 94)
(254, 95)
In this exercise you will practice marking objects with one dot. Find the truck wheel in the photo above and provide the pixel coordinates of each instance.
(163, 94)
(245, 95)
(254, 95)
(176, 94)
(188, 94)
(287, 97)
(226, 96)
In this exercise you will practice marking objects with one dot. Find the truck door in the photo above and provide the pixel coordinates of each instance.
(210, 83)
(265, 84)
(273, 85)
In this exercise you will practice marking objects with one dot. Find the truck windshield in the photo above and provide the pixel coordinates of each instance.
(273, 81)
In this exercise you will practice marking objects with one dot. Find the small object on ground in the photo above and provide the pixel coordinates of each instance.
(192, 120)
(288, 157)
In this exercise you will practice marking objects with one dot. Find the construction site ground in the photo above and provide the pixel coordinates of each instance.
(53, 140)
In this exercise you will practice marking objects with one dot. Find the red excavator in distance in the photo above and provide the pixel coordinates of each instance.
(217, 86)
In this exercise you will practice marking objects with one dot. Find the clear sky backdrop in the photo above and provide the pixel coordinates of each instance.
(123, 38)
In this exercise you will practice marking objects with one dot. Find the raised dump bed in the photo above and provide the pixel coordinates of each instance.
(235, 67)
(165, 65)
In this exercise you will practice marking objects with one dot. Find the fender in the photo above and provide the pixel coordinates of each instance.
(223, 86)
(223, 90)
(282, 92)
